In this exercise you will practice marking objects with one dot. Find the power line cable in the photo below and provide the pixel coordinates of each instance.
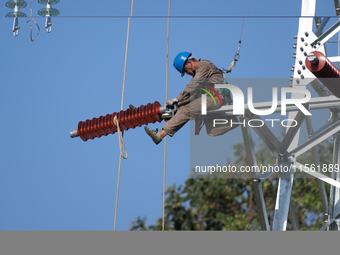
(166, 99)
(237, 54)
(189, 17)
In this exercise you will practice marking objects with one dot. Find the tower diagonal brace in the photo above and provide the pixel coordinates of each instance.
(265, 133)
(292, 131)
(316, 138)
(317, 163)
(292, 216)
(257, 188)
(334, 200)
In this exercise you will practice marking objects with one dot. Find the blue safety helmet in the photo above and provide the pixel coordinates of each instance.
(180, 60)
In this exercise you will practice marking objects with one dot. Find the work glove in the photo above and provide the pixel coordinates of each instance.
(171, 102)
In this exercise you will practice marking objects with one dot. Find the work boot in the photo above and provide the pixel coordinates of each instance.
(153, 134)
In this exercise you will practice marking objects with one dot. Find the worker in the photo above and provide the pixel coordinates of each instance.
(189, 101)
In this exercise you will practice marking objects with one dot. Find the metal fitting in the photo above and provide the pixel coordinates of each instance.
(74, 133)
(312, 58)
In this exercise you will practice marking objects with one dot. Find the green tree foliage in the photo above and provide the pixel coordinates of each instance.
(228, 203)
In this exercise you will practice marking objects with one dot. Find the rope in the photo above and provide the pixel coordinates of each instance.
(121, 155)
(28, 22)
(237, 54)
(126, 52)
(243, 20)
(166, 98)
(120, 137)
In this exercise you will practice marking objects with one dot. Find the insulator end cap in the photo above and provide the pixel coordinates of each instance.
(74, 133)
(312, 58)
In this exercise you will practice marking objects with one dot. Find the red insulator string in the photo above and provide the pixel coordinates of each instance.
(127, 119)
(325, 71)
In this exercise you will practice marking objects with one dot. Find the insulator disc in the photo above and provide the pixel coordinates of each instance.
(20, 3)
(48, 12)
(48, 1)
(16, 14)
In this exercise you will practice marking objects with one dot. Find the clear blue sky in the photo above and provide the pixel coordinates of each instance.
(49, 181)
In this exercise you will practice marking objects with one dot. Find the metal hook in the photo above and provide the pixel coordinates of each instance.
(48, 24)
(236, 56)
(16, 26)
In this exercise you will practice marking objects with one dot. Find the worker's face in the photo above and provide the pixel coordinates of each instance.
(188, 68)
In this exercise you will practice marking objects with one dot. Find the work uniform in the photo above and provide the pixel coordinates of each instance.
(189, 100)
